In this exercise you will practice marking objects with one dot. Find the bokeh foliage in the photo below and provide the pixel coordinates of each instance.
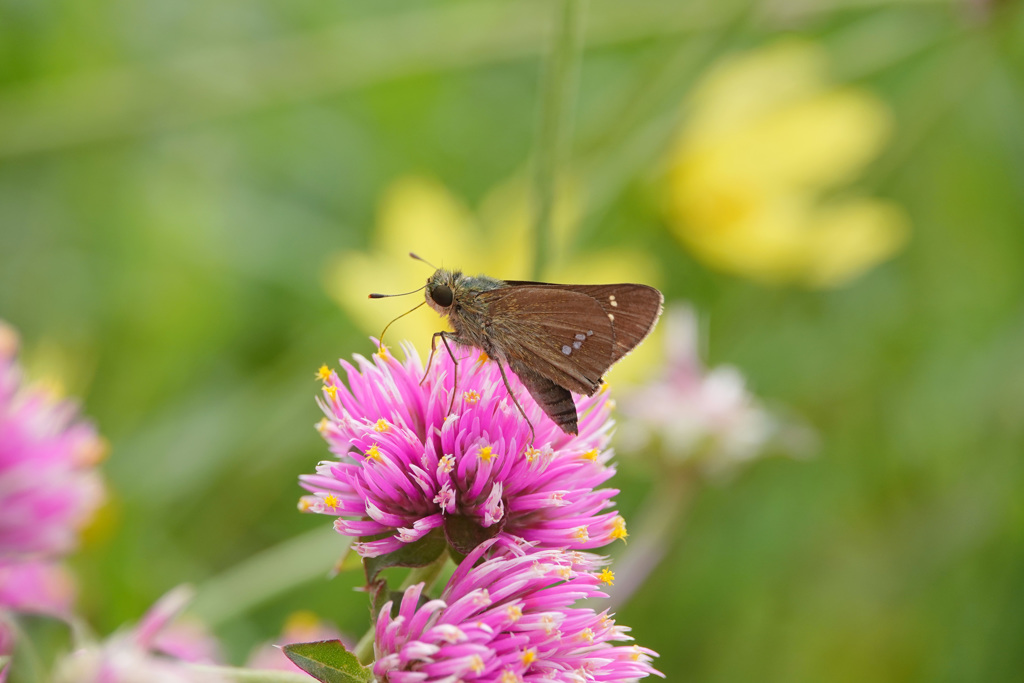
(176, 176)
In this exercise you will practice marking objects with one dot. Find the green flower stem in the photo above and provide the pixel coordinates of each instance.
(269, 574)
(427, 575)
(30, 661)
(364, 648)
(231, 673)
(659, 522)
(558, 96)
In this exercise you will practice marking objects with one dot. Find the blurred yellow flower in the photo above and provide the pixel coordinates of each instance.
(420, 215)
(753, 174)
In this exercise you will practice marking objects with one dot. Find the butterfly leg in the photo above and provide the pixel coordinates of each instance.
(455, 366)
(445, 336)
(430, 361)
(501, 368)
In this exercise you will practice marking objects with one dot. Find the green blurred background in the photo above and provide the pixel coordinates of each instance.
(175, 178)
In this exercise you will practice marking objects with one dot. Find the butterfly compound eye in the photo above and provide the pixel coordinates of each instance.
(442, 295)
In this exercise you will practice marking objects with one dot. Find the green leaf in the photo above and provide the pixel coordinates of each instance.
(328, 661)
(418, 554)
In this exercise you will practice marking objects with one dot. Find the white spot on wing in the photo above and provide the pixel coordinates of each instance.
(611, 317)
(590, 332)
(577, 344)
(581, 337)
(566, 350)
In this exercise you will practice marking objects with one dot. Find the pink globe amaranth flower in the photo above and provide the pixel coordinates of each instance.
(407, 467)
(49, 486)
(506, 620)
(138, 655)
(699, 416)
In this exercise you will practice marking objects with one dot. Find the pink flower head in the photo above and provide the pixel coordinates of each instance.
(157, 650)
(406, 466)
(698, 415)
(508, 619)
(49, 487)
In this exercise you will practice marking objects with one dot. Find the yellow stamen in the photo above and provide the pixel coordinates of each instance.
(532, 454)
(514, 612)
(619, 528)
(509, 676)
(587, 635)
(590, 455)
(581, 534)
(324, 373)
(607, 576)
(476, 663)
(486, 453)
(373, 452)
(330, 500)
(305, 504)
(483, 358)
(529, 656)
(382, 426)
(471, 397)
(382, 352)
(322, 425)
(604, 388)
(332, 391)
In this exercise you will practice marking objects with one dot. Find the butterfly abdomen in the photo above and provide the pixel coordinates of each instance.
(554, 400)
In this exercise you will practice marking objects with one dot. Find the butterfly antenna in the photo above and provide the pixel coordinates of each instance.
(420, 258)
(385, 296)
(380, 339)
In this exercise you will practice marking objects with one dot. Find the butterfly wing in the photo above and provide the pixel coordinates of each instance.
(632, 309)
(561, 338)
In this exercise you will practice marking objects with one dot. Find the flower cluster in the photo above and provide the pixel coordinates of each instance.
(508, 619)
(49, 488)
(447, 452)
(407, 466)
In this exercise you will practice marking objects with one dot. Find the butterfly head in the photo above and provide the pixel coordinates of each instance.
(441, 290)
